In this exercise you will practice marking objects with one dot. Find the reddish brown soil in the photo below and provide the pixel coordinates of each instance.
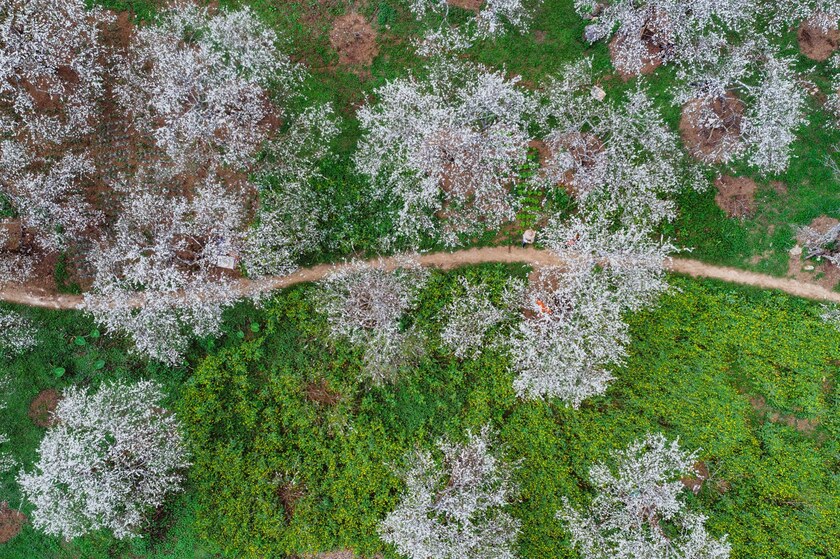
(11, 234)
(649, 63)
(11, 522)
(779, 187)
(706, 144)
(43, 406)
(736, 195)
(542, 151)
(695, 482)
(355, 40)
(807, 426)
(823, 223)
(321, 393)
(472, 5)
(539, 36)
(816, 43)
(289, 494)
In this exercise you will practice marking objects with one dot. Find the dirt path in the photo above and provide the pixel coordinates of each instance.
(448, 260)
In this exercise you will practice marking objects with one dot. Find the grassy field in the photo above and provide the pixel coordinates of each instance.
(747, 376)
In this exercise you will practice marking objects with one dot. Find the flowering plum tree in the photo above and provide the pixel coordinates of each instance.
(831, 315)
(574, 326)
(157, 275)
(196, 83)
(111, 457)
(473, 313)
(455, 511)
(489, 22)
(741, 101)
(572, 331)
(821, 14)
(618, 157)
(637, 513)
(17, 334)
(288, 218)
(50, 65)
(653, 32)
(629, 256)
(822, 244)
(364, 305)
(47, 195)
(448, 145)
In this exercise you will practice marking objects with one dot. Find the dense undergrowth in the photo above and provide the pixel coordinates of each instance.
(292, 453)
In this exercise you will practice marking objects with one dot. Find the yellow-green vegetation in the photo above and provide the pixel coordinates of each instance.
(292, 454)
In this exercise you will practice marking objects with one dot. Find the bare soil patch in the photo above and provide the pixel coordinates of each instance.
(779, 187)
(707, 142)
(822, 224)
(806, 426)
(695, 482)
(473, 5)
(736, 195)
(289, 494)
(321, 393)
(355, 40)
(543, 153)
(11, 233)
(815, 42)
(42, 408)
(539, 36)
(11, 522)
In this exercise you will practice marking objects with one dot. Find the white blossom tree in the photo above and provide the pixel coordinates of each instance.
(742, 102)
(821, 14)
(653, 32)
(822, 243)
(365, 304)
(489, 22)
(47, 195)
(637, 512)
(157, 275)
(572, 333)
(834, 97)
(17, 334)
(288, 218)
(619, 157)
(472, 313)
(628, 255)
(574, 327)
(112, 457)
(448, 145)
(454, 510)
(51, 65)
(197, 83)
(831, 315)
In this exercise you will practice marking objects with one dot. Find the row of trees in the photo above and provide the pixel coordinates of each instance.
(443, 151)
(179, 109)
(453, 507)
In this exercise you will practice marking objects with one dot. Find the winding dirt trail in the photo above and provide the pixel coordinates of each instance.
(449, 260)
